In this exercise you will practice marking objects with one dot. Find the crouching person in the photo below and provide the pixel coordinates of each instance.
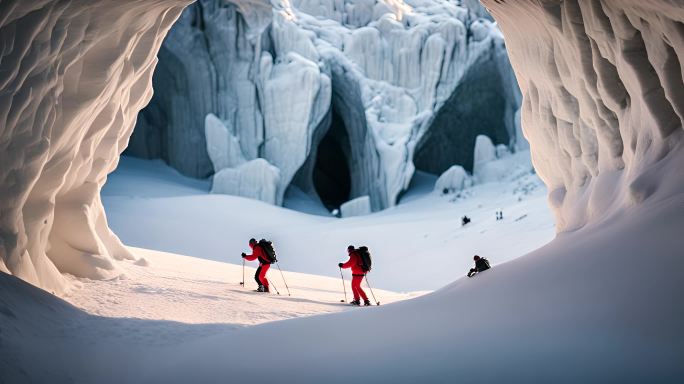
(481, 264)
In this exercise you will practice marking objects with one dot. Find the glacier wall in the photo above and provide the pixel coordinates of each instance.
(603, 99)
(282, 76)
(73, 76)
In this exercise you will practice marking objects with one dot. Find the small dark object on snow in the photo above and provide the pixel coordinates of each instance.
(481, 264)
(465, 220)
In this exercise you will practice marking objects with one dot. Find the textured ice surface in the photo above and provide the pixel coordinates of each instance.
(603, 99)
(73, 76)
(222, 146)
(279, 75)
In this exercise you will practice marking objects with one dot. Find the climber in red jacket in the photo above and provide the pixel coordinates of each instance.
(356, 265)
(264, 264)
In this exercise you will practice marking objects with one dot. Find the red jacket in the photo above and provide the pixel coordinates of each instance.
(257, 253)
(355, 263)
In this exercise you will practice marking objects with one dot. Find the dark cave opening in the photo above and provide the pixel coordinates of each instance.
(331, 175)
(478, 106)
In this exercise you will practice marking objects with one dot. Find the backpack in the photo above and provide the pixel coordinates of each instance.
(486, 264)
(267, 246)
(366, 261)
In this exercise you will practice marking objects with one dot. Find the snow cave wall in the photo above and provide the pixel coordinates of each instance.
(73, 76)
(279, 77)
(603, 99)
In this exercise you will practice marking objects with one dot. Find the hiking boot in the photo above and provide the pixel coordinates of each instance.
(355, 302)
(366, 302)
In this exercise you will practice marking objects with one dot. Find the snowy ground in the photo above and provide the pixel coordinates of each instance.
(601, 304)
(204, 291)
(418, 245)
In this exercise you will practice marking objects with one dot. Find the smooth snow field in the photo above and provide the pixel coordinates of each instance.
(418, 245)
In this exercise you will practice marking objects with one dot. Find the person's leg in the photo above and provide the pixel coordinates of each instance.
(256, 276)
(262, 275)
(360, 290)
(356, 286)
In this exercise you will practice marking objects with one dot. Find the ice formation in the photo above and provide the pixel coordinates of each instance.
(73, 76)
(256, 179)
(453, 179)
(485, 152)
(356, 207)
(222, 146)
(372, 82)
(603, 99)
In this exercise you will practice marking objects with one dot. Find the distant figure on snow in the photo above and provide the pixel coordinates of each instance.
(499, 215)
(465, 220)
(359, 269)
(263, 251)
(481, 264)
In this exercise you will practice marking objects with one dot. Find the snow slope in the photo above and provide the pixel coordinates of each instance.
(417, 245)
(597, 305)
(208, 292)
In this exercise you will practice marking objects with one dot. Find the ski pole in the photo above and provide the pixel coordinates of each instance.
(274, 287)
(371, 289)
(283, 276)
(343, 287)
(243, 273)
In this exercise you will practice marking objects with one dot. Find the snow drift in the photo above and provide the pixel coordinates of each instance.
(73, 76)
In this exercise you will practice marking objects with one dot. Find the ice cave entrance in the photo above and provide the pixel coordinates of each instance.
(331, 176)
(478, 106)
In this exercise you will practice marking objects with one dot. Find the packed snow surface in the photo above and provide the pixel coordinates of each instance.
(420, 244)
(209, 292)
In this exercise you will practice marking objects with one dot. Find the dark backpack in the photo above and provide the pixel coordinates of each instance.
(483, 264)
(366, 261)
(267, 246)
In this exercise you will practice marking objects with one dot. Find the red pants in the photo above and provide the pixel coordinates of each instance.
(356, 287)
(260, 275)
